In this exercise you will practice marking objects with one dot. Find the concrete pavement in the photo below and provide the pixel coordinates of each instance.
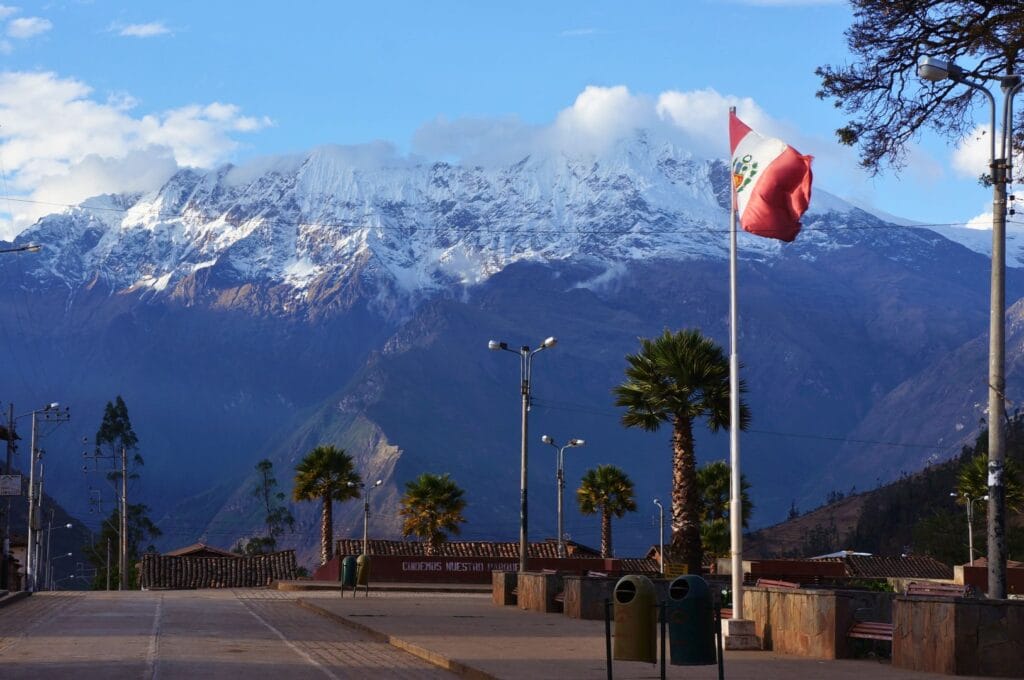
(251, 634)
(480, 640)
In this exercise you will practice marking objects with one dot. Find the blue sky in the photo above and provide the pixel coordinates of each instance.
(100, 96)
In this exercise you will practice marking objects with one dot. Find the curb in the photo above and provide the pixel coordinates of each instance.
(11, 598)
(434, 658)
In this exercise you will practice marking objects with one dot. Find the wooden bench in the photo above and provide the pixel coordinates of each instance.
(772, 583)
(871, 630)
(927, 589)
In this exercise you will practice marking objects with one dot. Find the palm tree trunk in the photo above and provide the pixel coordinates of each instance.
(606, 532)
(326, 530)
(686, 545)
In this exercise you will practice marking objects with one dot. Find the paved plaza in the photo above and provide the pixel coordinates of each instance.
(258, 633)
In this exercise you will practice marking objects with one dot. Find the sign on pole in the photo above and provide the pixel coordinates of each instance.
(10, 485)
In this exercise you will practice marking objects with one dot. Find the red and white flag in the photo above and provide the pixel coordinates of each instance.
(771, 182)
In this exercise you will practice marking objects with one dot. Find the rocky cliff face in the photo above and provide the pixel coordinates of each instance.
(256, 312)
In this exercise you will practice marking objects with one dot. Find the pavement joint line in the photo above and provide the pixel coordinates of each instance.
(154, 642)
(457, 667)
(291, 645)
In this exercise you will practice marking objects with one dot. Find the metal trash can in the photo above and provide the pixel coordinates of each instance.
(347, 574)
(363, 570)
(691, 622)
(636, 617)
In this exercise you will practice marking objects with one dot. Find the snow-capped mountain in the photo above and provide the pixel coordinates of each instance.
(347, 295)
(420, 227)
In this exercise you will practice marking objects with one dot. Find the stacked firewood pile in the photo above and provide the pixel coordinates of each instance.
(244, 571)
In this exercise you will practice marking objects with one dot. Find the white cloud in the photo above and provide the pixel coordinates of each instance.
(27, 27)
(149, 30)
(972, 154)
(7, 10)
(107, 149)
(982, 222)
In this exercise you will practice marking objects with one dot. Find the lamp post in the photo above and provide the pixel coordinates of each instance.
(49, 568)
(936, 70)
(661, 536)
(560, 480)
(970, 519)
(525, 366)
(49, 533)
(366, 509)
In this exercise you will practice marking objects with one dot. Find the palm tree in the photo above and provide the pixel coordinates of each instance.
(713, 483)
(678, 378)
(608, 490)
(432, 507)
(326, 474)
(972, 482)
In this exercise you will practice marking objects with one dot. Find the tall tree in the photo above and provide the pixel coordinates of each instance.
(141, 532)
(608, 490)
(117, 443)
(880, 89)
(325, 475)
(277, 517)
(116, 433)
(678, 378)
(713, 481)
(432, 508)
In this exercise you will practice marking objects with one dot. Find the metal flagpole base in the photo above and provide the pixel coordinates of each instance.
(739, 635)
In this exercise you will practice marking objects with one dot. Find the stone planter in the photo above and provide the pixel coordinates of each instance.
(959, 636)
(585, 596)
(502, 585)
(536, 591)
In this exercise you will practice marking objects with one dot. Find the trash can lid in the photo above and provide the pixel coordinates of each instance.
(688, 585)
(629, 587)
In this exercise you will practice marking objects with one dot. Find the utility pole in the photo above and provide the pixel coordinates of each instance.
(108, 564)
(4, 568)
(124, 519)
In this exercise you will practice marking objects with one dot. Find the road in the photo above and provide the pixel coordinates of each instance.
(249, 634)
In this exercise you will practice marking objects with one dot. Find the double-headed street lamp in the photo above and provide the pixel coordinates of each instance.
(936, 70)
(560, 479)
(365, 490)
(525, 366)
(970, 518)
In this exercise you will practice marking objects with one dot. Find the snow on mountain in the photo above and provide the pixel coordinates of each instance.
(342, 211)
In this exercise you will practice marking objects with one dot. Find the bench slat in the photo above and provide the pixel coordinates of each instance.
(773, 583)
(871, 630)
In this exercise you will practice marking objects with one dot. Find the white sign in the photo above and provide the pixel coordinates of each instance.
(10, 485)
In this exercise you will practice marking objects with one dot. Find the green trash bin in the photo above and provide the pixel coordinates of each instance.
(636, 617)
(691, 622)
(363, 570)
(348, 572)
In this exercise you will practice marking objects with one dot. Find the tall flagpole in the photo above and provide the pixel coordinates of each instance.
(735, 508)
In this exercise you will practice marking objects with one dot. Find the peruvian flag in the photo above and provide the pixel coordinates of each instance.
(771, 182)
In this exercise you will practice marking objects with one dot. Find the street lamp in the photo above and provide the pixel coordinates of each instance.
(661, 536)
(936, 70)
(970, 519)
(525, 366)
(48, 576)
(366, 509)
(560, 479)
